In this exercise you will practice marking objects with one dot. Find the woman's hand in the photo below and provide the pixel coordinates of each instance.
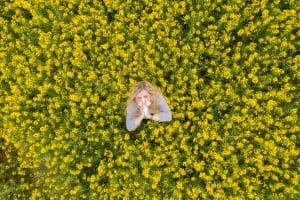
(146, 112)
(155, 117)
(144, 109)
(148, 115)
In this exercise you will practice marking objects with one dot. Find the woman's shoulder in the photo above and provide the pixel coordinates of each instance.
(160, 97)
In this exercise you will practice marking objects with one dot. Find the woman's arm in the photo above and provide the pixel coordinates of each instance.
(165, 113)
(132, 122)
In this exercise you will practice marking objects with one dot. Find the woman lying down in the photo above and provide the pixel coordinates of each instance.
(145, 102)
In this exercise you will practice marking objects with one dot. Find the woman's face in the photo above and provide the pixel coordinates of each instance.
(142, 96)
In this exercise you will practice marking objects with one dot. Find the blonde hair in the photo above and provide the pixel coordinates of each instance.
(140, 86)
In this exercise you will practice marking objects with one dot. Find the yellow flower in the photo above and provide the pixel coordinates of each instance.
(255, 79)
(94, 99)
(101, 169)
(75, 97)
(179, 185)
(199, 166)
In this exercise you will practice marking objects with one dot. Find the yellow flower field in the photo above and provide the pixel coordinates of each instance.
(229, 70)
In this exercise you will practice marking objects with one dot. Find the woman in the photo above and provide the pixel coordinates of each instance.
(145, 102)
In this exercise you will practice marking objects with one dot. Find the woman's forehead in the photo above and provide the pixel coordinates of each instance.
(142, 93)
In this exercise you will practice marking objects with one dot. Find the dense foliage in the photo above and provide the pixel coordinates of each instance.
(229, 70)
